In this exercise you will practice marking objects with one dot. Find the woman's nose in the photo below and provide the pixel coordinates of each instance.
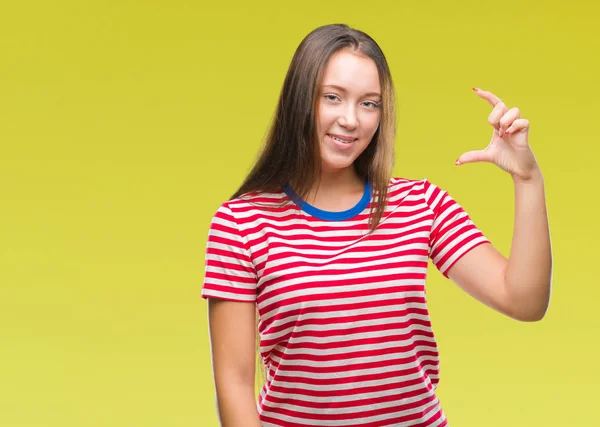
(349, 119)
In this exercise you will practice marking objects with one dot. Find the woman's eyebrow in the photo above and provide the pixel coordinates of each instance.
(341, 89)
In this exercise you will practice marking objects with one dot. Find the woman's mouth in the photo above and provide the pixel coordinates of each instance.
(346, 140)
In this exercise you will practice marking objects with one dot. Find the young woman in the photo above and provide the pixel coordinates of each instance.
(331, 253)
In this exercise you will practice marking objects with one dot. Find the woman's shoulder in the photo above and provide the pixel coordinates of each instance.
(257, 197)
(402, 187)
(252, 203)
(403, 183)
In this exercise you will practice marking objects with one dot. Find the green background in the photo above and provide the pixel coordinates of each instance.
(124, 125)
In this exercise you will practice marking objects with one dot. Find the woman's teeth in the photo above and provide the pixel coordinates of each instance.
(340, 140)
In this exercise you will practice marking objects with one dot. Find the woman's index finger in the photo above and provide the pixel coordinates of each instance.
(488, 96)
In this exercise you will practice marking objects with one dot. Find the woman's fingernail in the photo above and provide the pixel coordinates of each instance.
(475, 89)
(457, 162)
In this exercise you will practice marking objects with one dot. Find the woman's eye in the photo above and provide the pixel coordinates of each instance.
(331, 97)
(372, 104)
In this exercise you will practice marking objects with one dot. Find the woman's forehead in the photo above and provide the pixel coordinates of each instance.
(352, 72)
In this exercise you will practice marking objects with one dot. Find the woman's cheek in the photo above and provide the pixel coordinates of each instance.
(368, 126)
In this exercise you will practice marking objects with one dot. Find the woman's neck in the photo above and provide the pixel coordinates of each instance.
(337, 190)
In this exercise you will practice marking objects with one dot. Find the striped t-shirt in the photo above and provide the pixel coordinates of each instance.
(345, 333)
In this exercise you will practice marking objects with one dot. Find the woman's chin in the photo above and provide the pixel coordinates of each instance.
(336, 165)
(333, 159)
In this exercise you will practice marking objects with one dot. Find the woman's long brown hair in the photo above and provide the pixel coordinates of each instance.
(291, 154)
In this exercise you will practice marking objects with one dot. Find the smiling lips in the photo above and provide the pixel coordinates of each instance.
(342, 138)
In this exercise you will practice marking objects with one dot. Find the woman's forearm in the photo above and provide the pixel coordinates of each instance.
(529, 272)
(236, 406)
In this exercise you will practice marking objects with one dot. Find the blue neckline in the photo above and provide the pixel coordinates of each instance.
(329, 215)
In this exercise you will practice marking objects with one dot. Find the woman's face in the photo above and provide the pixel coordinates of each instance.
(348, 108)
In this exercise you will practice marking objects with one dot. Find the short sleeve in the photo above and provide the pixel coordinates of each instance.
(453, 233)
(229, 272)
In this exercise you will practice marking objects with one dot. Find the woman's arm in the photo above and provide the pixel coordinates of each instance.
(233, 337)
(529, 270)
(520, 286)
